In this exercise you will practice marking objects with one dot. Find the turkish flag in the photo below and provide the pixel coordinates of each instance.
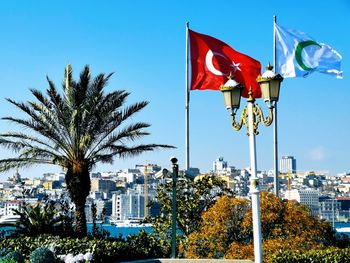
(212, 62)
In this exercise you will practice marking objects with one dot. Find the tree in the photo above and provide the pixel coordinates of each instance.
(289, 219)
(75, 130)
(220, 225)
(192, 198)
(226, 229)
(94, 217)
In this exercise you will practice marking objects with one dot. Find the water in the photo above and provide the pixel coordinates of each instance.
(123, 231)
(343, 228)
(113, 230)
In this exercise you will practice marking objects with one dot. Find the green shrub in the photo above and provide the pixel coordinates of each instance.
(104, 250)
(332, 255)
(42, 255)
(13, 256)
(4, 252)
(11, 260)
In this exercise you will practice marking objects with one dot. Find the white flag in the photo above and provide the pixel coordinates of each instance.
(298, 55)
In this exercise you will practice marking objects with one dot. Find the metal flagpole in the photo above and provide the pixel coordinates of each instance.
(187, 107)
(275, 139)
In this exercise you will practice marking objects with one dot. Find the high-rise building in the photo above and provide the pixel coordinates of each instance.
(128, 206)
(288, 164)
(219, 165)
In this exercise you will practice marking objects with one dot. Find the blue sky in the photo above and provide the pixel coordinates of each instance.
(143, 42)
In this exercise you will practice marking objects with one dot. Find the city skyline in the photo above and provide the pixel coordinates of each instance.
(144, 44)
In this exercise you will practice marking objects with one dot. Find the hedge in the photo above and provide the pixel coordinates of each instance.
(331, 255)
(139, 246)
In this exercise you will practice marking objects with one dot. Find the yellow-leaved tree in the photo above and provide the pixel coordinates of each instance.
(226, 229)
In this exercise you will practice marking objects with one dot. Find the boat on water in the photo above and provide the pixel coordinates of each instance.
(129, 223)
(9, 219)
(343, 229)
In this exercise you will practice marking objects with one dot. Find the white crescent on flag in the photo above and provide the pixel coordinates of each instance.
(209, 63)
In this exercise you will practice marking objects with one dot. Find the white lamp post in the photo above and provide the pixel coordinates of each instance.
(251, 116)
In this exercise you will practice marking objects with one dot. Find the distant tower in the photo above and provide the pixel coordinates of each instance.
(288, 164)
(16, 178)
(219, 165)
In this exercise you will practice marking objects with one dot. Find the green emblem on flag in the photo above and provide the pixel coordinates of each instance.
(299, 55)
(299, 50)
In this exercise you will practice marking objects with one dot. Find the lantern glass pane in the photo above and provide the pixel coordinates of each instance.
(274, 89)
(265, 90)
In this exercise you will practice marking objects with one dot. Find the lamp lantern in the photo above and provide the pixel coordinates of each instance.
(270, 84)
(232, 94)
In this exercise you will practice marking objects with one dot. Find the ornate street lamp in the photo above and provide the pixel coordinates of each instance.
(251, 116)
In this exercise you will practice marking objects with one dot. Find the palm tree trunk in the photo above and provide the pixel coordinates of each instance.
(78, 186)
(80, 219)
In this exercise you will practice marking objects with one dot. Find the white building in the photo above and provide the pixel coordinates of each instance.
(107, 175)
(308, 197)
(128, 206)
(219, 166)
(130, 175)
(288, 164)
(7, 207)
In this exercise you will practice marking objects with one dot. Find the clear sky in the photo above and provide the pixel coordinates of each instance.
(143, 42)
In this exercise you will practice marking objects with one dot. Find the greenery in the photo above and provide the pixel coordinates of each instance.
(4, 252)
(12, 256)
(98, 231)
(139, 246)
(192, 198)
(75, 130)
(226, 229)
(42, 255)
(42, 218)
(332, 255)
(6, 260)
(67, 213)
(94, 215)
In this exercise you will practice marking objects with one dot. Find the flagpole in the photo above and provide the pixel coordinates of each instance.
(275, 138)
(187, 106)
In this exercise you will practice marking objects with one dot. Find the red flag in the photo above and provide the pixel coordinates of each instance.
(212, 61)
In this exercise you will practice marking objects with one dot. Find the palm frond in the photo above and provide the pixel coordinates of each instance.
(81, 126)
(125, 151)
(129, 133)
(49, 134)
(12, 163)
(112, 124)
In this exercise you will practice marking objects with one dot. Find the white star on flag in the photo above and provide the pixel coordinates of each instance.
(235, 66)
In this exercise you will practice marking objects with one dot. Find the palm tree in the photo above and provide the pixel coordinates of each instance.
(75, 130)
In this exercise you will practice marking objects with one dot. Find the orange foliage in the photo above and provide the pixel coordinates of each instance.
(219, 227)
(240, 251)
(226, 229)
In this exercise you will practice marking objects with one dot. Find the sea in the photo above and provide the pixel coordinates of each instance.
(113, 230)
(117, 231)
